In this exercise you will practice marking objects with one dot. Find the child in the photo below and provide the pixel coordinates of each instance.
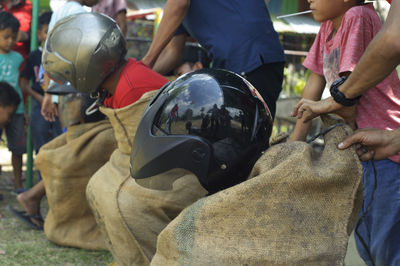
(22, 10)
(71, 7)
(125, 88)
(42, 130)
(347, 29)
(120, 82)
(10, 62)
(9, 100)
(78, 118)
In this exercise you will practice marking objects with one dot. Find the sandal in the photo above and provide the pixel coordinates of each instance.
(27, 218)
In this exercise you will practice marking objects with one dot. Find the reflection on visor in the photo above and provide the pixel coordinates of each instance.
(202, 110)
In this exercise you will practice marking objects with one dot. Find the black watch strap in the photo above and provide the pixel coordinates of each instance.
(338, 96)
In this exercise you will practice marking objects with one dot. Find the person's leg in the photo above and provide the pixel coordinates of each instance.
(40, 128)
(16, 161)
(267, 79)
(16, 141)
(379, 227)
(30, 201)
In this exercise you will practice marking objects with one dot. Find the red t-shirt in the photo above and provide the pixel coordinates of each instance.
(136, 79)
(23, 12)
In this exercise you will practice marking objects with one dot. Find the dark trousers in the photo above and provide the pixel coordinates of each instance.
(267, 79)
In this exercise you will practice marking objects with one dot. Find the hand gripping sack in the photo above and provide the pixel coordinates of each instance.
(298, 208)
(66, 164)
(131, 216)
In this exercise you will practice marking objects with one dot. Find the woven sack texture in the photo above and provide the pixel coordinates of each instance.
(66, 164)
(298, 208)
(131, 216)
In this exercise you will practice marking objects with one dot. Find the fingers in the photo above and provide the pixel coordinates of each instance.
(55, 110)
(298, 109)
(348, 142)
(295, 110)
(51, 117)
(363, 153)
(367, 156)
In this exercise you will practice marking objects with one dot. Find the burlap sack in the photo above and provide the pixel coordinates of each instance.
(298, 209)
(129, 215)
(66, 164)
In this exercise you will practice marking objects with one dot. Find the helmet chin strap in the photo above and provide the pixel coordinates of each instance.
(93, 108)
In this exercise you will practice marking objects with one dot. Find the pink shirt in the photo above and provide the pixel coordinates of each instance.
(379, 107)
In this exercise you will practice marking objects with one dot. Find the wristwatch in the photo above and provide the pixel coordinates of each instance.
(338, 96)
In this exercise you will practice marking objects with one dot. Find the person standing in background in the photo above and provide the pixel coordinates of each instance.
(42, 130)
(10, 62)
(22, 10)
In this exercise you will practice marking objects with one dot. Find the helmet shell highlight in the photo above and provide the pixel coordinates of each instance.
(83, 49)
(210, 122)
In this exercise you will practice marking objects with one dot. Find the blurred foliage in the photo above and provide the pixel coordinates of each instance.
(294, 80)
(139, 36)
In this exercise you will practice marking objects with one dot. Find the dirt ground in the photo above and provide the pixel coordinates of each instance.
(20, 245)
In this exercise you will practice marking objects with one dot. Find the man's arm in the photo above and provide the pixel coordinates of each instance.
(376, 144)
(171, 56)
(174, 13)
(25, 86)
(49, 110)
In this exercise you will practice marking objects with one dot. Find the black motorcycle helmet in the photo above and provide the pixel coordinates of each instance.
(210, 122)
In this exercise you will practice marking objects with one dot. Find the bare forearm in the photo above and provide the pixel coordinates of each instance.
(174, 13)
(397, 140)
(312, 91)
(37, 96)
(380, 58)
(171, 56)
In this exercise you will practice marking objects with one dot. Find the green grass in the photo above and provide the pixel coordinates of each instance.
(20, 245)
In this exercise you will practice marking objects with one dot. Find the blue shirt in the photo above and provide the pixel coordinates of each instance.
(238, 33)
(32, 70)
(9, 72)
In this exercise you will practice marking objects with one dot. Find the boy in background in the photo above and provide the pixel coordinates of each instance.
(42, 130)
(347, 29)
(9, 100)
(10, 62)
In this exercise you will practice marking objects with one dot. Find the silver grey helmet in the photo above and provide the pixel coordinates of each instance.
(83, 49)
